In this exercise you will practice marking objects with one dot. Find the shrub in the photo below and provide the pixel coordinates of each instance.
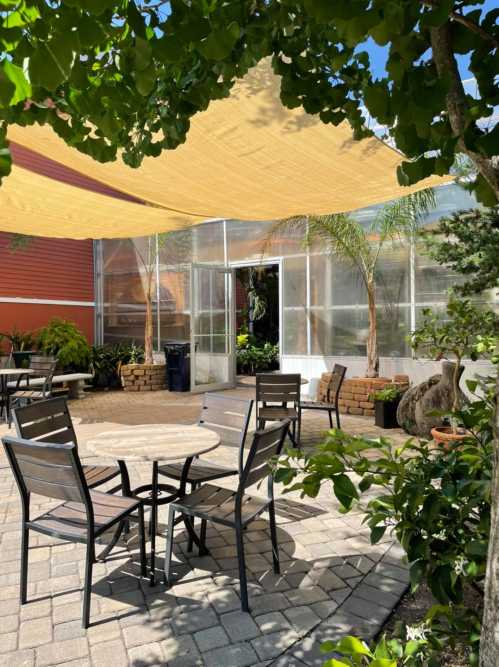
(62, 339)
(387, 394)
(106, 362)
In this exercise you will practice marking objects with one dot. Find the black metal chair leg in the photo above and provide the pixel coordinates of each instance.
(154, 522)
(273, 537)
(330, 419)
(24, 565)
(142, 542)
(299, 427)
(87, 590)
(202, 538)
(169, 545)
(243, 585)
(338, 418)
(190, 541)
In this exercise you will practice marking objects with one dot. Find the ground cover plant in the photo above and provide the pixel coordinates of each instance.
(436, 502)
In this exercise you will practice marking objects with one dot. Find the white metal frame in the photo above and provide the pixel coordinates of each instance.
(230, 321)
(268, 261)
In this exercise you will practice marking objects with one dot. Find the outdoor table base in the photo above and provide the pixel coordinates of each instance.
(154, 444)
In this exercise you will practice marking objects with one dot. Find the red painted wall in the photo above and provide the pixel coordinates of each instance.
(55, 269)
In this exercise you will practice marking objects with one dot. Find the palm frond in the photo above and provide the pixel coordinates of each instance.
(403, 217)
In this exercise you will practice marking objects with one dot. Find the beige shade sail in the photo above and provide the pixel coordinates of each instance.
(246, 157)
(40, 206)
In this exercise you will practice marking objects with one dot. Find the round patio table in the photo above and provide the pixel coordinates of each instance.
(5, 374)
(155, 443)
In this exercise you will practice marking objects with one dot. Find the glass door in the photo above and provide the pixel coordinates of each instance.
(212, 328)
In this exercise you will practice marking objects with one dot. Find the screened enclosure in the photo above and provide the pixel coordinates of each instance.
(323, 304)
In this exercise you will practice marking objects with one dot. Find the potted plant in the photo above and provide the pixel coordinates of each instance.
(106, 362)
(22, 346)
(62, 339)
(140, 373)
(466, 331)
(385, 406)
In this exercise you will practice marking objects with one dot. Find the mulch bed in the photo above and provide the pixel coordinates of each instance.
(411, 610)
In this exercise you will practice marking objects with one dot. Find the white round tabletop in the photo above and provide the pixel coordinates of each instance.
(16, 371)
(154, 442)
(250, 380)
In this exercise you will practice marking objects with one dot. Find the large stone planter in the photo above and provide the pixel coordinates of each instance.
(355, 394)
(419, 409)
(143, 377)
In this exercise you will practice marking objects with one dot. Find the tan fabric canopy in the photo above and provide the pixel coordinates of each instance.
(246, 157)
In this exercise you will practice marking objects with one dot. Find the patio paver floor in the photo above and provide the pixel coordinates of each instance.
(332, 582)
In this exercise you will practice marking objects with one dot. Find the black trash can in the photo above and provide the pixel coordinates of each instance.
(178, 365)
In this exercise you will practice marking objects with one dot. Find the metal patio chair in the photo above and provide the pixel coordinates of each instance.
(6, 362)
(43, 367)
(282, 388)
(235, 509)
(50, 421)
(227, 416)
(54, 470)
(332, 396)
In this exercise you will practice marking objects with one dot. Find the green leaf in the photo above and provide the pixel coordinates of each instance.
(14, 87)
(220, 43)
(344, 490)
(352, 646)
(377, 533)
(145, 80)
(383, 662)
(50, 65)
(5, 162)
(142, 53)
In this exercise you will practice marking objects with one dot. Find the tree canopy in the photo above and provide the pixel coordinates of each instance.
(119, 74)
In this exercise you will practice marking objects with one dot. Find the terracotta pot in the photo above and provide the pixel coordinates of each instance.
(444, 437)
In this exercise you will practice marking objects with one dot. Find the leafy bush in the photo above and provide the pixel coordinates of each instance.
(62, 339)
(437, 502)
(387, 394)
(253, 357)
(19, 341)
(106, 362)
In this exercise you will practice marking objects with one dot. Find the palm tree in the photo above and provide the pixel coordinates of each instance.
(349, 242)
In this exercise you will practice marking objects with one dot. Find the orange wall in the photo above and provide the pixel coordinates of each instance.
(30, 317)
(48, 269)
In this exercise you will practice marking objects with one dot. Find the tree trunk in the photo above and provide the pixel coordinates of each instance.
(372, 338)
(457, 106)
(489, 640)
(148, 358)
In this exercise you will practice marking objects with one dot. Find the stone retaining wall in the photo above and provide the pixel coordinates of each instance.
(143, 377)
(355, 392)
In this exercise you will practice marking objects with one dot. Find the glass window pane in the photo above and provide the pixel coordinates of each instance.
(349, 332)
(321, 331)
(294, 334)
(393, 325)
(392, 274)
(254, 240)
(295, 281)
(321, 280)
(124, 282)
(174, 288)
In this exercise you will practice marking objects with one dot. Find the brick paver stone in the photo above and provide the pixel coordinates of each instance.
(332, 581)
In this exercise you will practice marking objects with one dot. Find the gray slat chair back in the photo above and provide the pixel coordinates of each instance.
(47, 469)
(45, 421)
(43, 367)
(265, 445)
(335, 382)
(229, 417)
(278, 388)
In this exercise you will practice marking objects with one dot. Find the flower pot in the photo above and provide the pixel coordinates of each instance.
(22, 358)
(444, 437)
(385, 413)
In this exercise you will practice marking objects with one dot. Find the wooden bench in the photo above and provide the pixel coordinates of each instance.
(74, 382)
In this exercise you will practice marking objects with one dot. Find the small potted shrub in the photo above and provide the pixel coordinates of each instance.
(62, 339)
(386, 402)
(22, 346)
(464, 331)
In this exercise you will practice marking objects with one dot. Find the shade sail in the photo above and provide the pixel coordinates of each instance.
(40, 206)
(246, 157)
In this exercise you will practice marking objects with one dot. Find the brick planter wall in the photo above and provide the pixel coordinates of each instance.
(143, 377)
(355, 392)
